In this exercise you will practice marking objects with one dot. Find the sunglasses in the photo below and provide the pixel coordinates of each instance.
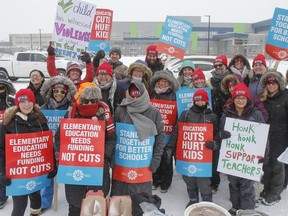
(86, 101)
(218, 65)
(56, 91)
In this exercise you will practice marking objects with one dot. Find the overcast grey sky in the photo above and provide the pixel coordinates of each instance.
(27, 16)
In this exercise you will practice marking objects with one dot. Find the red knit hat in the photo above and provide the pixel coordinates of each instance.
(259, 59)
(200, 94)
(24, 94)
(222, 59)
(240, 90)
(104, 68)
(152, 50)
(198, 74)
(134, 91)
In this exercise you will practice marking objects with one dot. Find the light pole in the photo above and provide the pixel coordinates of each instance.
(208, 45)
(40, 38)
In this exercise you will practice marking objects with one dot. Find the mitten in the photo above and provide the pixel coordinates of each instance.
(222, 134)
(85, 57)
(52, 174)
(99, 55)
(167, 155)
(263, 160)
(210, 145)
(5, 181)
(50, 50)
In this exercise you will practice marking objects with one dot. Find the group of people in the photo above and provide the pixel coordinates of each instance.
(138, 98)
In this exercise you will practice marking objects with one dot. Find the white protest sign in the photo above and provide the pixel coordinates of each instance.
(239, 155)
(72, 27)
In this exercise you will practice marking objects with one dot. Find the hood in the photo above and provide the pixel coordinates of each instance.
(274, 74)
(245, 60)
(145, 69)
(46, 87)
(226, 80)
(166, 74)
(186, 63)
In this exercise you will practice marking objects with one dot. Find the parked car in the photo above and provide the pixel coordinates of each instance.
(23, 63)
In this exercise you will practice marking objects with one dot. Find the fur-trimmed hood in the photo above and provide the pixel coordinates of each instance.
(46, 87)
(245, 60)
(10, 89)
(276, 75)
(166, 74)
(11, 112)
(226, 80)
(147, 72)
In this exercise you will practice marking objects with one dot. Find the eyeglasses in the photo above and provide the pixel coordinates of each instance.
(272, 83)
(86, 101)
(218, 65)
(61, 91)
(241, 98)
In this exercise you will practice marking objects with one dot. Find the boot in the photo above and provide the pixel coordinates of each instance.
(193, 196)
(206, 197)
(35, 212)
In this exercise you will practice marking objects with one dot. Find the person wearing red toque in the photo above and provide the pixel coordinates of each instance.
(275, 100)
(218, 100)
(242, 193)
(259, 67)
(24, 117)
(198, 113)
(152, 60)
(136, 116)
(112, 93)
(198, 79)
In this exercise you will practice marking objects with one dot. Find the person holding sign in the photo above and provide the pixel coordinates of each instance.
(6, 91)
(152, 60)
(89, 106)
(242, 194)
(276, 102)
(163, 86)
(74, 70)
(198, 113)
(185, 74)
(58, 93)
(140, 142)
(25, 117)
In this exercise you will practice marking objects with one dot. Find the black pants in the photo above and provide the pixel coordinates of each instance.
(274, 176)
(242, 193)
(163, 175)
(3, 196)
(215, 179)
(20, 203)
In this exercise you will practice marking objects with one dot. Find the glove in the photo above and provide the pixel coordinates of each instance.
(154, 165)
(5, 181)
(263, 160)
(223, 134)
(50, 50)
(210, 145)
(85, 57)
(99, 55)
(52, 174)
(167, 155)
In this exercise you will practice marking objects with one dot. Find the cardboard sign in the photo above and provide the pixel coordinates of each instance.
(101, 30)
(29, 158)
(192, 156)
(277, 40)
(72, 27)
(168, 110)
(184, 98)
(132, 157)
(81, 157)
(239, 155)
(175, 36)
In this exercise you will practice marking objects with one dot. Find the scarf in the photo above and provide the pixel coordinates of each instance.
(137, 79)
(244, 73)
(53, 104)
(187, 81)
(106, 85)
(87, 110)
(220, 76)
(134, 107)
